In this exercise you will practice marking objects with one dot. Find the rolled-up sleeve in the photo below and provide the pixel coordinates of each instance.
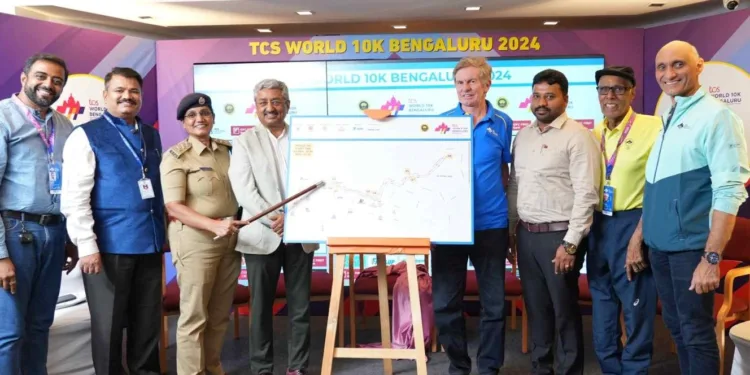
(585, 175)
(726, 154)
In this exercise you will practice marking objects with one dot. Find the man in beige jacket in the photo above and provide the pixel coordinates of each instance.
(258, 171)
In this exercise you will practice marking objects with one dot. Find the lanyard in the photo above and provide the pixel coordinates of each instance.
(613, 158)
(49, 141)
(130, 146)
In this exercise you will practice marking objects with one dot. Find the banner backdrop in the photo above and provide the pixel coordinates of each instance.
(183, 65)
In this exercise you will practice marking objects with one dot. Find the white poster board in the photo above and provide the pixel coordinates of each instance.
(406, 176)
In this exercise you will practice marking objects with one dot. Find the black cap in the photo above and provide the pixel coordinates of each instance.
(619, 71)
(191, 101)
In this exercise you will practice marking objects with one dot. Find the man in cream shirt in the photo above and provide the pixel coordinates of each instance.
(257, 172)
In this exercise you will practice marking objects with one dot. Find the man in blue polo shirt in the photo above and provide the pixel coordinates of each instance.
(492, 141)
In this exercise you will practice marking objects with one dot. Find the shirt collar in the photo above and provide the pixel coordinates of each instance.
(32, 111)
(283, 133)
(622, 123)
(557, 124)
(487, 117)
(686, 101)
(120, 121)
(199, 146)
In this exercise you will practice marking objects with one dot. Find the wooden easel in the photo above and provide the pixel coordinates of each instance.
(410, 247)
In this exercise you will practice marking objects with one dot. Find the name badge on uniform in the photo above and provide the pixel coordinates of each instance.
(609, 200)
(147, 191)
(55, 178)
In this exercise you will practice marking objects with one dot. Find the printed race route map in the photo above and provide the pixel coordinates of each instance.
(403, 177)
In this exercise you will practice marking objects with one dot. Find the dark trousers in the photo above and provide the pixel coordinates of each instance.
(448, 286)
(126, 293)
(611, 290)
(25, 317)
(552, 303)
(262, 275)
(688, 315)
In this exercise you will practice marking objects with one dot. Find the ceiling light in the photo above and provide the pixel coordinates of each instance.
(473, 9)
(264, 30)
(550, 23)
(305, 13)
(399, 27)
(656, 5)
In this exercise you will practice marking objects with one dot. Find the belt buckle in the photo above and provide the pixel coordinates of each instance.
(45, 219)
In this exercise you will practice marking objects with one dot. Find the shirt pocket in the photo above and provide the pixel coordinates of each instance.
(202, 182)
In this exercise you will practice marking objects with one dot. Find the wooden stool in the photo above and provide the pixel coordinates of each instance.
(339, 248)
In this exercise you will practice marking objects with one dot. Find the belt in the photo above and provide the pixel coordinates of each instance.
(545, 227)
(34, 218)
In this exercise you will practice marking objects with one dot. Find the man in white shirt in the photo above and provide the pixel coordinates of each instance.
(257, 171)
(112, 199)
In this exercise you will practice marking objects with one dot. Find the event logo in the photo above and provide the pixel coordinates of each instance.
(425, 127)
(442, 128)
(364, 105)
(229, 108)
(239, 129)
(81, 100)
(71, 108)
(502, 103)
(393, 105)
(250, 110)
(525, 104)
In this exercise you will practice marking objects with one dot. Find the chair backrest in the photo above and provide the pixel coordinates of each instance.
(738, 247)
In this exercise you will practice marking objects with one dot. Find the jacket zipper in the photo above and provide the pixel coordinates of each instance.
(661, 145)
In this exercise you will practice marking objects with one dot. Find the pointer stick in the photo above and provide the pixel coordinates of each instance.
(280, 204)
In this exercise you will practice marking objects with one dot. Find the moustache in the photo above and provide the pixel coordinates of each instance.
(541, 108)
(129, 101)
(49, 90)
(266, 113)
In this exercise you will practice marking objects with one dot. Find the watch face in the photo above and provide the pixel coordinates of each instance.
(712, 258)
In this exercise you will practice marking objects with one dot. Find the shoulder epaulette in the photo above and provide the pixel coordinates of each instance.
(223, 142)
(180, 148)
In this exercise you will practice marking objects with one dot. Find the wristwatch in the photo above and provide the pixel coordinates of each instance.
(569, 247)
(712, 257)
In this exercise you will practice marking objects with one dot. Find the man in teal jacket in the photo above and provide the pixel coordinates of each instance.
(695, 183)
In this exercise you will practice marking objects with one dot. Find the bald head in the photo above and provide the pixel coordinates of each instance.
(678, 66)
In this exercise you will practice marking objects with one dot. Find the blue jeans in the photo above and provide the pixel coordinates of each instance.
(487, 254)
(28, 314)
(688, 315)
(611, 290)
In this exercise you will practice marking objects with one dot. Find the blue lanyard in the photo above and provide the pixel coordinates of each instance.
(130, 145)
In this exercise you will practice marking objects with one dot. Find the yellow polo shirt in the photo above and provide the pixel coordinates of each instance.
(629, 173)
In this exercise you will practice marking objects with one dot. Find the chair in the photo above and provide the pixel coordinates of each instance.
(513, 294)
(728, 307)
(171, 306)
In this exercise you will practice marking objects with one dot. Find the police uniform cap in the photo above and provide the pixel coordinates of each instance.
(191, 101)
(625, 72)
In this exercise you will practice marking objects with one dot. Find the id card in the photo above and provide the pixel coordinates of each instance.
(55, 178)
(147, 191)
(609, 200)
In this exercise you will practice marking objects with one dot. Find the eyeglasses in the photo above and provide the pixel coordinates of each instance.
(618, 90)
(203, 113)
(274, 102)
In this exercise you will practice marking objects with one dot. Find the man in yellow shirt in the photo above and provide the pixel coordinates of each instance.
(617, 267)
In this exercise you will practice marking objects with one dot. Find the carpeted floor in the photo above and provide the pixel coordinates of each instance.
(235, 354)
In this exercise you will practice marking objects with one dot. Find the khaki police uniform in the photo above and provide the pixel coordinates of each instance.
(207, 269)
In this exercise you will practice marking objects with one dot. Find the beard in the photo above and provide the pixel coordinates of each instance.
(31, 93)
